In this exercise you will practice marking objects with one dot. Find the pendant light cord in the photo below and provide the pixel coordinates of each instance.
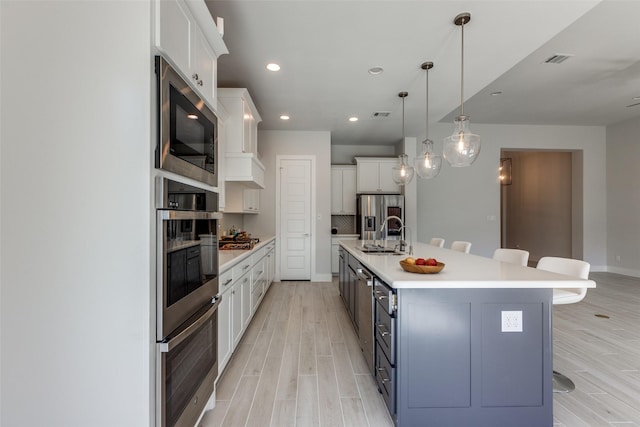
(462, 73)
(427, 105)
(403, 118)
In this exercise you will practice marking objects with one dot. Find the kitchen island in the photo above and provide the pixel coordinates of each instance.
(469, 346)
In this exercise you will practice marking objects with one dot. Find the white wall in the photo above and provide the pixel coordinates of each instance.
(76, 200)
(273, 143)
(464, 203)
(410, 191)
(623, 198)
(344, 154)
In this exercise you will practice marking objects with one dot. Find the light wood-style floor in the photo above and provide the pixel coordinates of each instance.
(299, 363)
(601, 356)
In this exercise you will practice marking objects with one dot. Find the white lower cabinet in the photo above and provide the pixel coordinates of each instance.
(270, 265)
(246, 300)
(257, 283)
(243, 286)
(236, 326)
(224, 333)
(224, 318)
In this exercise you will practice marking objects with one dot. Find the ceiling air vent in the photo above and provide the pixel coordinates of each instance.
(557, 58)
(381, 114)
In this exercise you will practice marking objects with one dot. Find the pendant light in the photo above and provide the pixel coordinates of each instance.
(428, 165)
(403, 173)
(462, 147)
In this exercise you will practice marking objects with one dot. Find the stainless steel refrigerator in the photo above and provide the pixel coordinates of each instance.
(372, 209)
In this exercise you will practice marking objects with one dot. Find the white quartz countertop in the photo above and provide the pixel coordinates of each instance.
(228, 258)
(461, 271)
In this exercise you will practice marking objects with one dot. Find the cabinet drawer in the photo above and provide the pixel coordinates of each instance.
(257, 274)
(384, 327)
(259, 254)
(385, 378)
(225, 280)
(256, 294)
(242, 267)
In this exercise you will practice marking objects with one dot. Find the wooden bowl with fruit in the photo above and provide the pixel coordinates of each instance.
(421, 265)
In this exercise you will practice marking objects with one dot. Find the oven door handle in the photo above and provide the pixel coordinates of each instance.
(165, 214)
(166, 347)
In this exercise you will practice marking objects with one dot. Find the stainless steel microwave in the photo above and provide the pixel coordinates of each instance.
(188, 129)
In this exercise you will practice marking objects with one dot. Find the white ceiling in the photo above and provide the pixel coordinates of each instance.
(326, 47)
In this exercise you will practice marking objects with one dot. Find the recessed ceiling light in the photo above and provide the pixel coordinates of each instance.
(284, 117)
(353, 119)
(273, 67)
(496, 93)
(375, 70)
(192, 116)
(635, 98)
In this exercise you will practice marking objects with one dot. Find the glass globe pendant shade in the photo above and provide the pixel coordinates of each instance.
(462, 147)
(402, 173)
(428, 165)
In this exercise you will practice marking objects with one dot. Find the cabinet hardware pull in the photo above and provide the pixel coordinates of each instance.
(246, 266)
(195, 76)
(227, 282)
(199, 82)
(384, 332)
(380, 372)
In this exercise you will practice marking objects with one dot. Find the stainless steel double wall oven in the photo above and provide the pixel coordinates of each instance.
(187, 301)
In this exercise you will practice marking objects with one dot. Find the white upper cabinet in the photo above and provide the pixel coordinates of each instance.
(374, 175)
(243, 120)
(241, 145)
(186, 35)
(343, 190)
(240, 199)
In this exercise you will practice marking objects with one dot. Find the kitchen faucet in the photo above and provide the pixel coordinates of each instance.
(403, 243)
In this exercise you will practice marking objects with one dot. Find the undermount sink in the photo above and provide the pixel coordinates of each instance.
(371, 249)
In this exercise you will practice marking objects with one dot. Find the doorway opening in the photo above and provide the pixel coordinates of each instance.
(541, 205)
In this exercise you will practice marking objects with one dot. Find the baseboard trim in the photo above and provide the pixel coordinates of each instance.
(623, 271)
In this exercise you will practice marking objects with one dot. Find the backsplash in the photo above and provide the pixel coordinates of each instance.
(346, 224)
(229, 220)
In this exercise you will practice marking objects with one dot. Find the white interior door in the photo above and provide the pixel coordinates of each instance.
(295, 219)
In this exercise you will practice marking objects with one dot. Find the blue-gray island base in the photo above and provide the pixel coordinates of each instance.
(456, 368)
(441, 354)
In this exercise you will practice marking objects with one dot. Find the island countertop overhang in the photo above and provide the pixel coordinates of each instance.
(461, 271)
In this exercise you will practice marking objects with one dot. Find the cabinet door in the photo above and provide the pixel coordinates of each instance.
(336, 191)
(237, 323)
(272, 276)
(272, 266)
(368, 176)
(352, 285)
(224, 330)
(248, 123)
(251, 200)
(174, 32)
(349, 191)
(387, 185)
(203, 70)
(246, 299)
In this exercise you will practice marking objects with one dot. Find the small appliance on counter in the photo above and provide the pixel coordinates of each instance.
(334, 230)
